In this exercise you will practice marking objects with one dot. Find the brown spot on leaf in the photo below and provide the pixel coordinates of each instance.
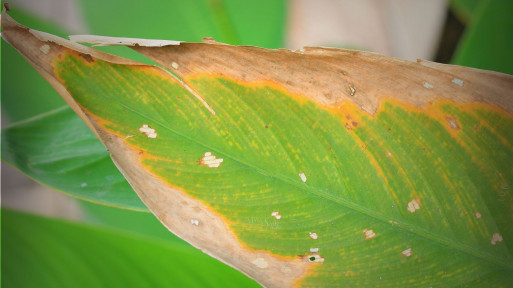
(351, 124)
(88, 58)
(477, 128)
(208, 40)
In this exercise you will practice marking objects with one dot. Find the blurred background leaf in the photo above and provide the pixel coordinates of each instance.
(45, 252)
(488, 39)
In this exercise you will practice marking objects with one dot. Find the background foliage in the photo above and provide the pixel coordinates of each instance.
(59, 252)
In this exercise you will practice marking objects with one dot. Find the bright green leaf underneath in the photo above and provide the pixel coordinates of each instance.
(41, 252)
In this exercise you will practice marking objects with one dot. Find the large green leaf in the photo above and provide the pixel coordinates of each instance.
(488, 41)
(58, 150)
(339, 168)
(42, 252)
(236, 22)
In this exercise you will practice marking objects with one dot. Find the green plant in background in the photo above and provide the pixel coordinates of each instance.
(56, 149)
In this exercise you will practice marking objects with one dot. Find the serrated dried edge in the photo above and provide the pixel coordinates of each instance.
(97, 40)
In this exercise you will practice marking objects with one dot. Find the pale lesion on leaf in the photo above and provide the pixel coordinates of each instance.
(276, 215)
(496, 238)
(369, 234)
(407, 253)
(148, 131)
(414, 205)
(453, 123)
(210, 160)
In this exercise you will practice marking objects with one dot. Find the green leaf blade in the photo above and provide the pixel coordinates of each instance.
(58, 150)
(487, 42)
(345, 194)
(52, 253)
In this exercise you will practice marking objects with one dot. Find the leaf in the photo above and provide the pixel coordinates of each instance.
(58, 150)
(466, 10)
(42, 252)
(320, 167)
(259, 23)
(487, 42)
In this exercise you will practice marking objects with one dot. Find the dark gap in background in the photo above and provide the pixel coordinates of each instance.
(452, 32)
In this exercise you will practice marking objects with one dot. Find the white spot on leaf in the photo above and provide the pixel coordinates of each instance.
(457, 81)
(260, 263)
(276, 215)
(427, 85)
(83, 185)
(148, 131)
(302, 176)
(478, 215)
(210, 160)
(389, 154)
(414, 205)
(45, 49)
(496, 237)
(107, 41)
(174, 65)
(314, 250)
(195, 222)
(352, 90)
(369, 234)
(407, 252)
(313, 235)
